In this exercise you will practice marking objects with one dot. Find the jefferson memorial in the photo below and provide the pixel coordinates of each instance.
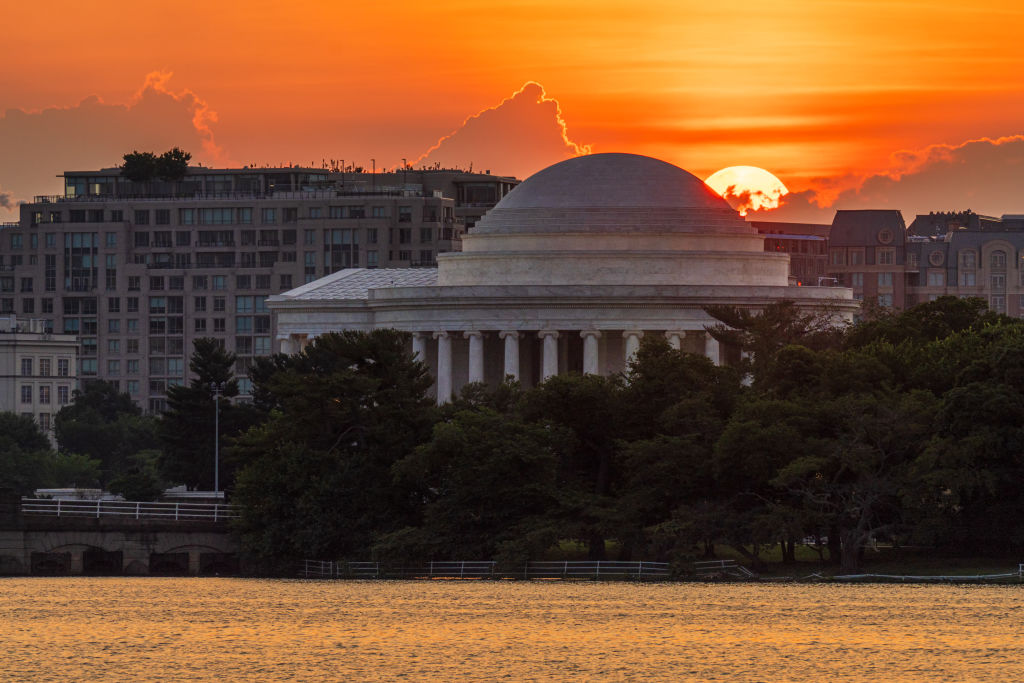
(566, 274)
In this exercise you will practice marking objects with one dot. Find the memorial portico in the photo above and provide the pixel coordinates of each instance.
(568, 273)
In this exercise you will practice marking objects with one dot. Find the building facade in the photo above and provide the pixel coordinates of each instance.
(566, 274)
(38, 370)
(961, 254)
(137, 271)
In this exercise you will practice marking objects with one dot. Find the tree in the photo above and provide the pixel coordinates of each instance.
(139, 167)
(589, 408)
(25, 454)
(172, 165)
(488, 482)
(315, 478)
(187, 426)
(104, 425)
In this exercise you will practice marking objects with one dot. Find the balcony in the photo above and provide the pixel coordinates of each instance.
(214, 243)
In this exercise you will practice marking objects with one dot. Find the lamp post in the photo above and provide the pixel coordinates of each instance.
(216, 387)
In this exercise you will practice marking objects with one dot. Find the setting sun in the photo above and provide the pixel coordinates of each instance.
(747, 188)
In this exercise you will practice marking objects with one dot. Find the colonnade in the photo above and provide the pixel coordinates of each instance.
(549, 362)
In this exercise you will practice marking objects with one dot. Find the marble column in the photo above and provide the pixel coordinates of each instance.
(549, 365)
(632, 338)
(511, 338)
(712, 349)
(444, 367)
(675, 338)
(476, 355)
(419, 347)
(591, 361)
(288, 345)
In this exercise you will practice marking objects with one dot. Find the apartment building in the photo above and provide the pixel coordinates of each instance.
(38, 370)
(137, 271)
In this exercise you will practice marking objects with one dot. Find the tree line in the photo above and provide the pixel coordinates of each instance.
(905, 428)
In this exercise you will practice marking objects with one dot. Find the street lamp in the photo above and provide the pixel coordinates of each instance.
(216, 387)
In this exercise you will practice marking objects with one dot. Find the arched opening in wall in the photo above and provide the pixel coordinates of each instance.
(218, 564)
(51, 564)
(168, 564)
(100, 562)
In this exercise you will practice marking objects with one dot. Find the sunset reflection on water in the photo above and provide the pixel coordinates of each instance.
(240, 629)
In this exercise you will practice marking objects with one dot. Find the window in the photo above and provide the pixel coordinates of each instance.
(114, 304)
(218, 324)
(62, 367)
(134, 283)
(200, 324)
(886, 256)
(141, 218)
(132, 366)
(243, 324)
(44, 421)
(378, 212)
(46, 305)
(217, 216)
(132, 345)
(245, 215)
(199, 304)
(199, 282)
(114, 346)
(220, 282)
(967, 279)
(44, 367)
(113, 367)
(243, 304)
(269, 215)
(44, 394)
(132, 326)
(427, 236)
(998, 259)
(156, 283)
(248, 238)
(286, 282)
(157, 304)
(998, 282)
(26, 367)
(63, 393)
(837, 257)
(243, 282)
(26, 284)
(176, 283)
(28, 305)
(26, 394)
(219, 304)
(968, 259)
(405, 214)
(114, 325)
(290, 215)
(885, 300)
(261, 346)
(51, 240)
(132, 387)
(316, 212)
(88, 366)
(288, 237)
(175, 366)
(132, 304)
(262, 282)
(371, 235)
(308, 237)
(371, 259)
(163, 217)
(243, 345)
(111, 240)
(404, 235)
(885, 279)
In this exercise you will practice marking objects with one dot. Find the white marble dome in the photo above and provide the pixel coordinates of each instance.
(601, 193)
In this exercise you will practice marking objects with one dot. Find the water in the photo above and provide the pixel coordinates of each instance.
(239, 629)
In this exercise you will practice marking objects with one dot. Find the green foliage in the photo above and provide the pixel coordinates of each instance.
(143, 167)
(488, 482)
(25, 454)
(187, 428)
(141, 480)
(173, 164)
(139, 167)
(315, 477)
(106, 426)
(71, 470)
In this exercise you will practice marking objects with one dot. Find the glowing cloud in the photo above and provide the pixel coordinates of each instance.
(747, 188)
(38, 145)
(521, 135)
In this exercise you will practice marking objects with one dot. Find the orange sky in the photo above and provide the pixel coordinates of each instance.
(829, 88)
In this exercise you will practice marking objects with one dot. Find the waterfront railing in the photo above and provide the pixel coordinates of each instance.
(123, 509)
(488, 569)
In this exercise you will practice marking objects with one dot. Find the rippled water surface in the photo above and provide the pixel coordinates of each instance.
(237, 629)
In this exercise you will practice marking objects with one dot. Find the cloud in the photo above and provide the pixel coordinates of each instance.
(520, 136)
(92, 134)
(985, 175)
(6, 200)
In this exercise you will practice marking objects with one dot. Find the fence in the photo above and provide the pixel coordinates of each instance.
(485, 569)
(176, 512)
(722, 568)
